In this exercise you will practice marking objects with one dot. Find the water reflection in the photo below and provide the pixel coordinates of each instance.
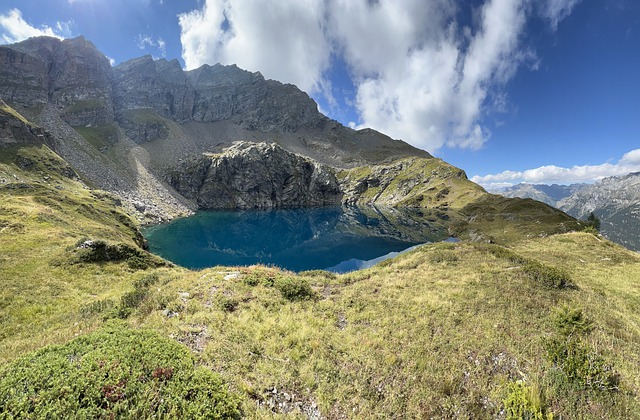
(296, 239)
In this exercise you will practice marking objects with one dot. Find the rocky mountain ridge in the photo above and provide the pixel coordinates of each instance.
(550, 194)
(614, 200)
(125, 128)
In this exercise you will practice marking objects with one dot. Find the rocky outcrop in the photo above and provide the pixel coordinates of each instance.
(256, 176)
(411, 182)
(15, 130)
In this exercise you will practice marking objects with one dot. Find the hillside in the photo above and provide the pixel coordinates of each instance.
(523, 318)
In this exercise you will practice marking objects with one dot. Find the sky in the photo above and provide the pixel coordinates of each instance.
(537, 91)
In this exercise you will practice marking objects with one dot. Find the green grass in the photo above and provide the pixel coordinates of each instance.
(100, 137)
(6, 109)
(85, 105)
(548, 326)
(143, 116)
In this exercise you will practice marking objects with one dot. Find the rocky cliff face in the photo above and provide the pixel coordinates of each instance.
(256, 176)
(72, 74)
(616, 201)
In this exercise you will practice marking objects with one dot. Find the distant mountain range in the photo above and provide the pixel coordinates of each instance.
(614, 200)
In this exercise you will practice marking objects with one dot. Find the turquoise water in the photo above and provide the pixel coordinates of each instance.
(335, 238)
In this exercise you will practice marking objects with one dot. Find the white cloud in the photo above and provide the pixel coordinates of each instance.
(420, 74)
(551, 174)
(556, 10)
(631, 158)
(145, 41)
(284, 40)
(14, 28)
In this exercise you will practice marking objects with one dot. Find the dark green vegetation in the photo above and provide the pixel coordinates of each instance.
(114, 372)
(539, 325)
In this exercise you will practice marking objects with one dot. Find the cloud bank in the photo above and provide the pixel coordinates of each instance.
(13, 28)
(551, 174)
(425, 71)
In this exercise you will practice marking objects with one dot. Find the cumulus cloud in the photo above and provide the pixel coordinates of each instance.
(284, 39)
(145, 41)
(421, 72)
(550, 174)
(15, 29)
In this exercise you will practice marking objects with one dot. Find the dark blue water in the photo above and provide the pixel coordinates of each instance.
(336, 238)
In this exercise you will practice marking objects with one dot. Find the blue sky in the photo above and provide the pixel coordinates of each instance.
(540, 91)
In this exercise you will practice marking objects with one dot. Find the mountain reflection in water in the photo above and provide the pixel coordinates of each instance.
(294, 239)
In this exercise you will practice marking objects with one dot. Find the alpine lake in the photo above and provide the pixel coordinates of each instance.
(338, 239)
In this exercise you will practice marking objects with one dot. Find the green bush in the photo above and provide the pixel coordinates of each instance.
(131, 300)
(581, 365)
(524, 402)
(146, 281)
(97, 307)
(294, 288)
(115, 372)
(570, 321)
(88, 251)
(547, 275)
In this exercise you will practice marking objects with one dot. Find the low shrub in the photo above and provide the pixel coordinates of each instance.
(581, 365)
(294, 288)
(525, 402)
(547, 275)
(96, 307)
(115, 372)
(570, 320)
(88, 251)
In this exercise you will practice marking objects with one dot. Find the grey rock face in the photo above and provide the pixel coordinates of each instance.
(256, 176)
(211, 94)
(15, 132)
(616, 202)
(72, 74)
(550, 194)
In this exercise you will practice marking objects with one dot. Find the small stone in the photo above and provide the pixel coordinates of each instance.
(232, 276)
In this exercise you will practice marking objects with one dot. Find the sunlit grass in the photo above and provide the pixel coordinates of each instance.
(444, 331)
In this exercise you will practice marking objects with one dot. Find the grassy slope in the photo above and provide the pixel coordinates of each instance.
(445, 331)
(472, 212)
(43, 214)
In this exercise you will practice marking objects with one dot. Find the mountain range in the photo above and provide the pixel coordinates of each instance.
(614, 200)
(168, 142)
